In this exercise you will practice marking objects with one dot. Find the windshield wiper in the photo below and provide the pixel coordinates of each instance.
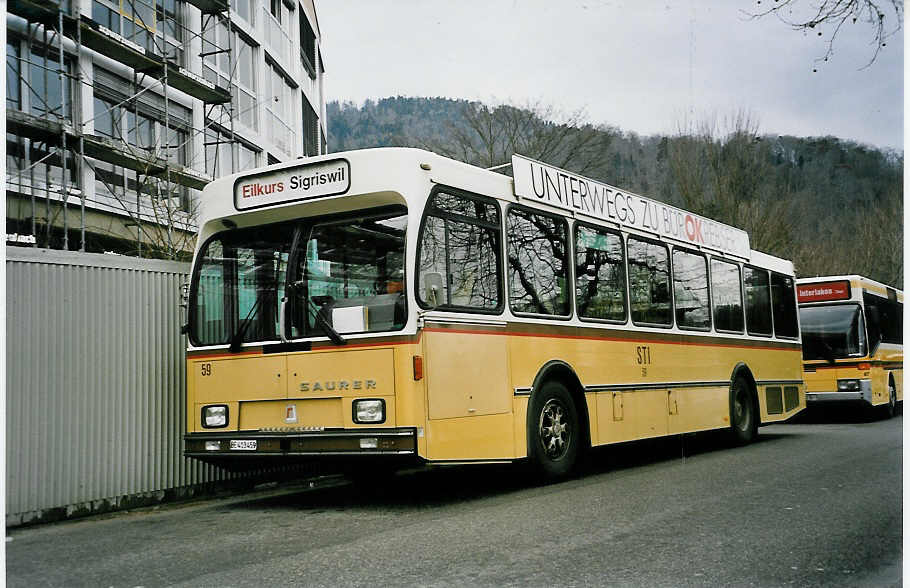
(333, 335)
(237, 337)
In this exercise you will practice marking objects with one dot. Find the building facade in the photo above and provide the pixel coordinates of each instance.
(120, 111)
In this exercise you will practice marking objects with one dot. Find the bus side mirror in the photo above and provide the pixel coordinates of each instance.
(433, 284)
(184, 304)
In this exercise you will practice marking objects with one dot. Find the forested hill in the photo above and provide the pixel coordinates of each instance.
(831, 205)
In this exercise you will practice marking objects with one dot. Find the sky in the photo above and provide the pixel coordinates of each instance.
(643, 66)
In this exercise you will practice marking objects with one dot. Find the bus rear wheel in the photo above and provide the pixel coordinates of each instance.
(743, 417)
(553, 431)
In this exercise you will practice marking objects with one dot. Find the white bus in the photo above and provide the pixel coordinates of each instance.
(396, 306)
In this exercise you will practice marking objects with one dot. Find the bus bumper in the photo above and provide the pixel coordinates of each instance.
(863, 394)
(249, 445)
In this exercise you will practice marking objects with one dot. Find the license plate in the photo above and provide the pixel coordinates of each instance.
(243, 444)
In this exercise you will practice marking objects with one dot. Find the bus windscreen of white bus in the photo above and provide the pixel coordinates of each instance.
(351, 274)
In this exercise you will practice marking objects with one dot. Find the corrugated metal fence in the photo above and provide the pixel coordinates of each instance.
(94, 384)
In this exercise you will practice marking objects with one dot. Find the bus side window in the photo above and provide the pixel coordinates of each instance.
(458, 258)
(600, 274)
(758, 301)
(649, 283)
(783, 304)
(727, 296)
(890, 317)
(537, 263)
(690, 290)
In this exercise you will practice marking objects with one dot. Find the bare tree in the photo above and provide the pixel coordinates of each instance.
(868, 242)
(487, 136)
(720, 169)
(884, 17)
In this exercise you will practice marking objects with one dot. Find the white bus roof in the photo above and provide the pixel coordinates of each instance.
(856, 281)
(405, 175)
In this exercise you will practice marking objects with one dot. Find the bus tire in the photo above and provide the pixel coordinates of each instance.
(743, 413)
(554, 433)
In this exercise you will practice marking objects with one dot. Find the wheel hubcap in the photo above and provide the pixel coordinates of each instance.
(740, 411)
(554, 430)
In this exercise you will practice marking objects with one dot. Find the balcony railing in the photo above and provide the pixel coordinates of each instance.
(281, 134)
(277, 39)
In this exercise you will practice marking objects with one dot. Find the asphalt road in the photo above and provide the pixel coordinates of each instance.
(816, 503)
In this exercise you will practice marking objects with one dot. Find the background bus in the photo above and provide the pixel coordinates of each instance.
(396, 306)
(852, 341)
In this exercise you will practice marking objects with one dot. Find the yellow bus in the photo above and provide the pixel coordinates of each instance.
(852, 341)
(399, 307)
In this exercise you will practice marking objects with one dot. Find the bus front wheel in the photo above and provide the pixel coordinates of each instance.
(553, 430)
(743, 417)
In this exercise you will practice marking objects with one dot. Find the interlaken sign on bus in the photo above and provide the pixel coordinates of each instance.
(290, 184)
(544, 183)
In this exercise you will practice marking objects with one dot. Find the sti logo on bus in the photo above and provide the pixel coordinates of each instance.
(303, 182)
(557, 187)
(823, 291)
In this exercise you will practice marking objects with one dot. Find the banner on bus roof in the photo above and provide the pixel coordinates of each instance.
(823, 291)
(302, 182)
(551, 185)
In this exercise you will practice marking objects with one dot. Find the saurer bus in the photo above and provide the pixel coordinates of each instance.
(392, 306)
(852, 341)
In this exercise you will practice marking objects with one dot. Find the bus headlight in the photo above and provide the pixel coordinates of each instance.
(214, 416)
(369, 411)
(848, 385)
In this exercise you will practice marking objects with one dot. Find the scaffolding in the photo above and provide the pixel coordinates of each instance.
(55, 137)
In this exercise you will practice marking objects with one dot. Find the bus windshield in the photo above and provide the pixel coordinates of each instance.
(349, 275)
(350, 272)
(832, 331)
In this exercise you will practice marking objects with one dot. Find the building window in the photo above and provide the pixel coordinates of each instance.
(13, 76)
(244, 9)
(310, 129)
(140, 132)
(45, 96)
(279, 108)
(155, 25)
(275, 8)
(276, 27)
(235, 69)
(107, 118)
(307, 44)
(219, 150)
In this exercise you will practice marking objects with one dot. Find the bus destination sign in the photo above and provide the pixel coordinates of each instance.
(823, 291)
(290, 184)
(544, 183)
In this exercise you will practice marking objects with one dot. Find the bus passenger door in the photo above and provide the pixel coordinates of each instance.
(468, 398)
